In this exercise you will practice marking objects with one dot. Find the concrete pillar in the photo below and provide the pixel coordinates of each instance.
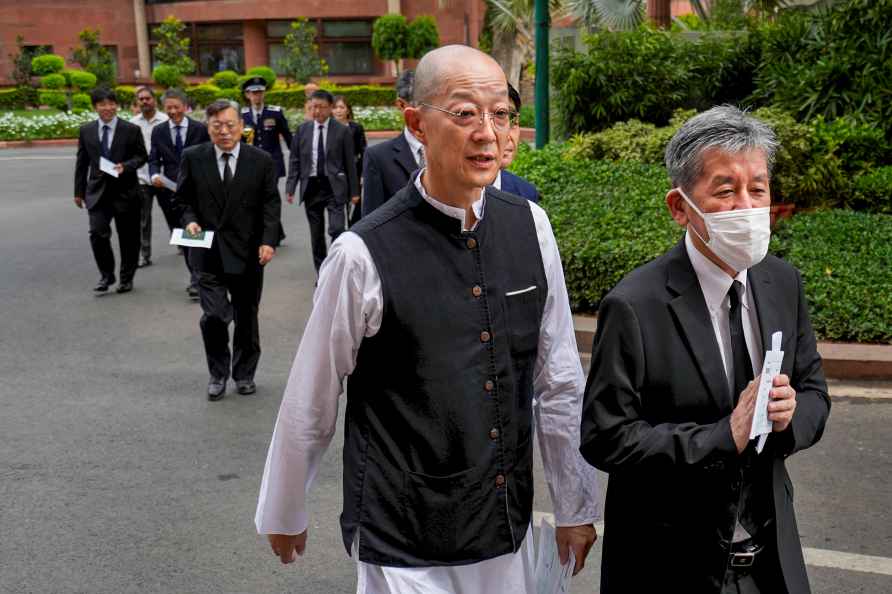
(256, 51)
(393, 7)
(142, 40)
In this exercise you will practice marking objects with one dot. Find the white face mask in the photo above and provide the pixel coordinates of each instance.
(738, 237)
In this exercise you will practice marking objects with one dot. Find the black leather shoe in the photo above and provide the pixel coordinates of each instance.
(216, 388)
(144, 262)
(125, 287)
(246, 387)
(104, 283)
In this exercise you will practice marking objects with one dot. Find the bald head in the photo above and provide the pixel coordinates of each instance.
(436, 66)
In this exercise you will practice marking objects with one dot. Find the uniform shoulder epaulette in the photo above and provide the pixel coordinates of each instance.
(274, 108)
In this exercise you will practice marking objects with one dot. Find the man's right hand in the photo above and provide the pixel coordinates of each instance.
(156, 181)
(78, 201)
(193, 228)
(290, 198)
(288, 546)
(742, 417)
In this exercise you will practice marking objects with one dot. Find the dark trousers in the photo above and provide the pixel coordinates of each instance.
(125, 212)
(146, 198)
(317, 200)
(229, 298)
(764, 577)
(172, 216)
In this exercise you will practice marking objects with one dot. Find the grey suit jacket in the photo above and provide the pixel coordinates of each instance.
(340, 161)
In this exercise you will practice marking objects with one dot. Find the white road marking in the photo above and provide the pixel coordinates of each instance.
(813, 557)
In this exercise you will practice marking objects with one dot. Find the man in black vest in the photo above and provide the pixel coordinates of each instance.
(169, 140)
(670, 398)
(109, 153)
(229, 187)
(447, 309)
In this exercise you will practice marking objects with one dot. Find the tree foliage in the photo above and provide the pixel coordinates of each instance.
(422, 36)
(95, 58)
(301, 59)
(21, 62)
(173, 46)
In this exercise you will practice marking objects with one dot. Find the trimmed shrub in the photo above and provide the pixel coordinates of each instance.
(225, 79)
(80, 79)
(125, 94)
(846, 262)
(422, 36)
(167, 76)
(11, 99)
(873, 191)
(268, 74)
(527, 116)
(203, 95)
(81, 102)
(359, 95)
(233, 94)
(47, 64)
(53, 81)
(52, 98)
(389, 36)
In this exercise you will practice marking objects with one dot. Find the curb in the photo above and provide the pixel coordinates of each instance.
(12, 144)
(842, 361)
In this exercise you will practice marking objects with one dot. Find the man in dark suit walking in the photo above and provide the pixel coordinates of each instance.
(115, 145)
(322, 160)
(505, 180)
(230, 188)
(387, 166)
(671, 397)
(169, 140)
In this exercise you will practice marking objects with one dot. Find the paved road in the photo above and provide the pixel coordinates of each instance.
(117, 475)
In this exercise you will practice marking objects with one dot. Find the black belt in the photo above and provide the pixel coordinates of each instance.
(743, 554)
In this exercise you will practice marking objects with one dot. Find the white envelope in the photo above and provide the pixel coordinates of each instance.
(771, 368)
(205, 239)
(106, 166)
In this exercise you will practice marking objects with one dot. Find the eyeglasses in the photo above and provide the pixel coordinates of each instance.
(218, 126)
(500, 118)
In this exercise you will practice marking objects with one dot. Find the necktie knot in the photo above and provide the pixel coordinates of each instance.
(178, 127)
(734, 294)
(106, 128)
(226, 156)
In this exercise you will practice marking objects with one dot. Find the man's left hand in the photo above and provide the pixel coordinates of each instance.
(266, 254)
(119, 168)
(782, 404)
(580, 539)
(355, 199)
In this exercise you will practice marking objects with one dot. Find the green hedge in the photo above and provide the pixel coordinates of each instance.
(367, 95)
(11, 99)
(225, 79)
(125, 94)
(53, 81)
(873, 191)
(52, 98)
(47, 64)
(81, 102)
(846, 262)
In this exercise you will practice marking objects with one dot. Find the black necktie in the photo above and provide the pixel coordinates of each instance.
(227, 172)
(103, 144)
(743, 365)
(178, 142)
(320, 153)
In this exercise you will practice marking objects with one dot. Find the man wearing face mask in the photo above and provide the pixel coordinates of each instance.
(670, 399)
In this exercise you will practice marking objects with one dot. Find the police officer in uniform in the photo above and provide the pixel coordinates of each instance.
(265, 124)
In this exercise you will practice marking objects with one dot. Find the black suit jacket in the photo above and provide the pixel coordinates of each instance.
(386, 170)
(244, 218)
(514, 184)
(127, 148)
(340, 160)
(163, 158)
(656, 417)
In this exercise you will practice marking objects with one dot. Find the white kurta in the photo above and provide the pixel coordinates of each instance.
(348, 306)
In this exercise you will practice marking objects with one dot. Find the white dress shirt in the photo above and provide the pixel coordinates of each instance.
(315, 155)
(497, 184)
(348, 306)
(714, 283)
(146, 127)
(184, 127)
(415, 145)
(111, 130)
(233, 160)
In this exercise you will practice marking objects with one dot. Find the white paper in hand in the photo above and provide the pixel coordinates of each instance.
(182, 237)
(551, 576)
(771, 368)
(168, 183)
(106, 166)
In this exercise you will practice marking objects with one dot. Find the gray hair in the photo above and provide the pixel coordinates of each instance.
(726, 128)
(221, 105)
(405, 85)
(174, 93)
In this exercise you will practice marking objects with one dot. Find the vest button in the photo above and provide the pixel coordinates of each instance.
(489, 386)
(484, 336)
(493, 433)
(472, 243)
(477, 291)
(500, 480)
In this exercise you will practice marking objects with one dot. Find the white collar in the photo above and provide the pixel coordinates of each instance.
(323, 124)
(452, 211)
(414, 143)
(184, 124)
(714, 282)
(156, 119)
(497, 184)
(234, 152)
(111, 125)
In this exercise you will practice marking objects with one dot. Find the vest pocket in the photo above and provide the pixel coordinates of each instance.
(442, 514)
(524, 317)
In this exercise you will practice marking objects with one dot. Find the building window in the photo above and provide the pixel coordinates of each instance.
(213, 47)
(345, 45)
